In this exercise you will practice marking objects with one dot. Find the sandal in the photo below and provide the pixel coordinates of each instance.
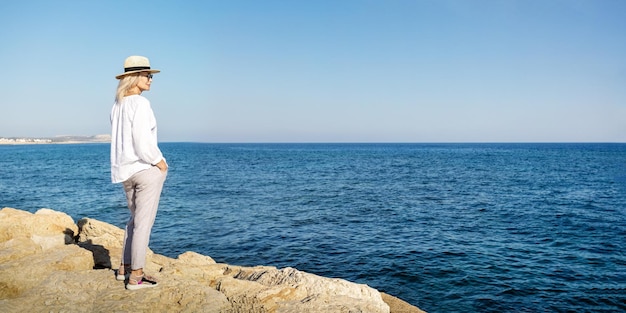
(139, 282)
(122, 272)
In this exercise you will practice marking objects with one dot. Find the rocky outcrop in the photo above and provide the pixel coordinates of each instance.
(49, 263)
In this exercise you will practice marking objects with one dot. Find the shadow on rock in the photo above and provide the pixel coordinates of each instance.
(101, 255)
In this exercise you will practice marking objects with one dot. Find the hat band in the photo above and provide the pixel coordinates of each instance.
(136, 68)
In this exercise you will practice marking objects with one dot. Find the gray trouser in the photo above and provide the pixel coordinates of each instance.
(143, 191)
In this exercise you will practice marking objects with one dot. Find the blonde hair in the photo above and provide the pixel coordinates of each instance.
(126, 83)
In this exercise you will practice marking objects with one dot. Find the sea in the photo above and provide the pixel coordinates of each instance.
(477, 227)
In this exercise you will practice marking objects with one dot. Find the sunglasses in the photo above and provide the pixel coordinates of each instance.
(149, 76)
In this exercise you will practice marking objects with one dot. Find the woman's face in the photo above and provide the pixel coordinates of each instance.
(144, 81)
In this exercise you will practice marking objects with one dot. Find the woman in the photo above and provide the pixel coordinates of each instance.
(137, 163)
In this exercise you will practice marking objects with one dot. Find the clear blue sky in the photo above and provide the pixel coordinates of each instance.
(323, 71)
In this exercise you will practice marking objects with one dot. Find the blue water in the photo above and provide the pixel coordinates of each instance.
(446, 227)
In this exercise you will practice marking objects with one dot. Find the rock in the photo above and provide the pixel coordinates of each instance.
(290, 290)
(49, 263)
(193, 258)
(100, 233)
(399, 306)
(47, 225)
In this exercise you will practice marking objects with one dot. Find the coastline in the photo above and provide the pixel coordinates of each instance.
(55, 140)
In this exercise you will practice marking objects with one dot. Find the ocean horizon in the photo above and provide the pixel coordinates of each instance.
(447, 227)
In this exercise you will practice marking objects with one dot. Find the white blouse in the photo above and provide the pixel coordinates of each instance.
(133, 138)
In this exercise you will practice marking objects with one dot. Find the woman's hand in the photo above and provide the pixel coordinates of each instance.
(162, 165)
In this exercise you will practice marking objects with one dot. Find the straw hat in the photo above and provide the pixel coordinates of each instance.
(136, 64)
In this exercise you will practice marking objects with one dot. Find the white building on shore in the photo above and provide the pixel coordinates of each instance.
(4, 140)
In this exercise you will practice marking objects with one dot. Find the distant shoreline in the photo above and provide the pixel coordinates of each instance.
(55, 140)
